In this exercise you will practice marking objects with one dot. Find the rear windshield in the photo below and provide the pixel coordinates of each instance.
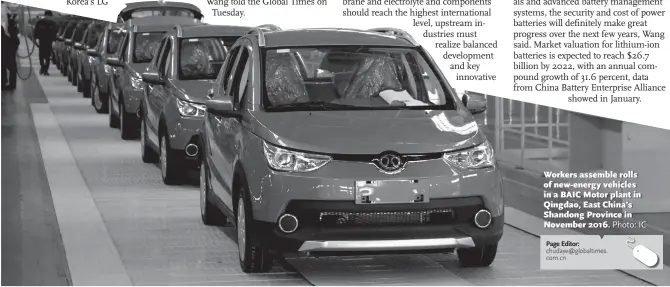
(114, 38)
(146, 45)
(148, 12)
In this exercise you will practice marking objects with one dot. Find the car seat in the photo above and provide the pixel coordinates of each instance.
(377, 73)
(283, 81)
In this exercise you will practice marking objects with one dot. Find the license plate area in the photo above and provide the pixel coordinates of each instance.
(392, 191)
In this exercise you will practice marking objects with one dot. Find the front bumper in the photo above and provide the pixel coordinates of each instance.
(132, 100)
(315, 237)
(184, 132)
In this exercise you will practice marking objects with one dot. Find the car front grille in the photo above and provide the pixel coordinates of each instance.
(397, 218)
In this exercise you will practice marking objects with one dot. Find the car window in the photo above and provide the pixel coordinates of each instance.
(239, 78)
(165, 58)
(155, 62)
(124, 48)
(145, 46)
(229, 63)
(352, 77)
(114, 38)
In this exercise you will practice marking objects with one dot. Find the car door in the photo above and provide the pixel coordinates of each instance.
(165, 71)
(214, 129)
(150, 90)
(230, 134)
(117, 73)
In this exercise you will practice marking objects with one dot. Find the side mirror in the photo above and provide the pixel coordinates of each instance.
(223, 108)
(68, 42)
(210, 93)
(475, 104)
(114, 62)
(93, 52)
(59, 38)
(152, 78)
(78, 46)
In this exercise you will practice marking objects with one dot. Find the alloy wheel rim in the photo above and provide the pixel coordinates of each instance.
(203, 189)
(163, 157)
(241, 231)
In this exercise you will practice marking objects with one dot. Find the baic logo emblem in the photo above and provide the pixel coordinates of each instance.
(389, 162)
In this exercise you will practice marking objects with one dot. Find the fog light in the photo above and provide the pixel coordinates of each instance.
(483, 218)
(288, 223)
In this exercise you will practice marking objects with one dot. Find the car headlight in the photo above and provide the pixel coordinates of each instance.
(477, 157)
(108, 69)
(188, 109)
(137, 83)
(285, 160)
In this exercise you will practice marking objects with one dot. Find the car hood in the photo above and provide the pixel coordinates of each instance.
(194, 90)
(369, 132)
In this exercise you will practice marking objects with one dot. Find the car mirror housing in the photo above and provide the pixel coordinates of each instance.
(114, 62)
(222, 108)
(152, 78)
(92, 52)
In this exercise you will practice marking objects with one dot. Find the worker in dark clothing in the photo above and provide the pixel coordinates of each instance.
(45, 35)
(10, 46)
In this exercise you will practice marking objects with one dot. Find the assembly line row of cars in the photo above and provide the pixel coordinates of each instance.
(324, 141)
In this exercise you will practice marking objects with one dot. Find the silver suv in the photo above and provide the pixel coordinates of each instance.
(339, 141)
(176, 87)
(137, 49)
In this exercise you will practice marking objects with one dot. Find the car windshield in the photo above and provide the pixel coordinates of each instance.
(141, 13)
(70, 30)
(201, 58)
(93, 35)
(146, 45)
(79, 33)
(341, 78)
(114, 38)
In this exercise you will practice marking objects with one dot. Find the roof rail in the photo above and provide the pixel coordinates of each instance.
(397, 32)
(260, 31)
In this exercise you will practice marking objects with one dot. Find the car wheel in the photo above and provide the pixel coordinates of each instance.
(80, 83)
(99, 102)
(113, 119)
(126, 123)
(168, 161)
(477, 256)
(253, 258)
(74, 76)
(148, 154)
(86, 88)
(210, 214)
(68, 73)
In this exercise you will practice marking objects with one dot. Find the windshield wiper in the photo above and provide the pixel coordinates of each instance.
(316, 105)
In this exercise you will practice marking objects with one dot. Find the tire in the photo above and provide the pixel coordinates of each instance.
(127, 123)
(80, 83)
(113, 119)
(98, 99)
(74, 77)
(210, 214)
(253, 258)
(68, 73)
(86, 88)
(477, 256)
(168, 161)
(149, 155)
